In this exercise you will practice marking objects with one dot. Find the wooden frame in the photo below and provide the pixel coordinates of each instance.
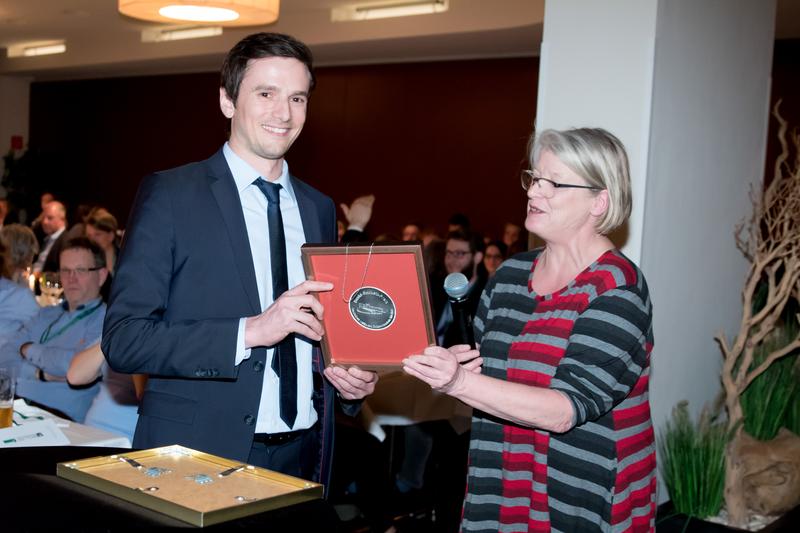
(379, 310)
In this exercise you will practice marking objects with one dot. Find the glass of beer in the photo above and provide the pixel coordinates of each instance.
(6, 398)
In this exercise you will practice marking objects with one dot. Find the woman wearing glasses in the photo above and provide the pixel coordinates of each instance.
(561, 433)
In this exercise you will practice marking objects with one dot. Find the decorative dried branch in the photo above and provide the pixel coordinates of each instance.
(770, 240)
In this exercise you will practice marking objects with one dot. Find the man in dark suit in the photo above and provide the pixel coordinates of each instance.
(463, 253)
(54, 226)
(197, 303)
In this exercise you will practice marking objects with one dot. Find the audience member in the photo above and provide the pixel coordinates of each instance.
(81, 214)
(496, 252)
(48, 342)
(386, 237)
(36, 224)
(512, 239)
(433, 256)
(114, 408)
(17, 304)
(463, 253)
(54, 224)
(458, 222)
(357, 215)
(101, 228)
(411, 232)
(427, 235)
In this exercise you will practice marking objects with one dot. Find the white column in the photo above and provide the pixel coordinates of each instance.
(685, 85)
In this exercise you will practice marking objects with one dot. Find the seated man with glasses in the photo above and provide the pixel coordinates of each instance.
(40, 353)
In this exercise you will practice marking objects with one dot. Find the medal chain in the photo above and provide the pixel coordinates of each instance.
(346, 299)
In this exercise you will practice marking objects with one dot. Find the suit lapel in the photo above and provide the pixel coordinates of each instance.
(230, 206)
(309, 213)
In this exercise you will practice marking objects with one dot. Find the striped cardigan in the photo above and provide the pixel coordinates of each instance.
(592, 341)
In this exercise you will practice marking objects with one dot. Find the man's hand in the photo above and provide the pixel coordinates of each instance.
(352, 383)
(359, 212)
(23, 349)
(295, 311)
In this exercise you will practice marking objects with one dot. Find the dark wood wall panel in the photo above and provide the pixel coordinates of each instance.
(785, 87)
(428, 139)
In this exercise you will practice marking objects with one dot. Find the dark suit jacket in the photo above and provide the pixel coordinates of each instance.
(54, 255)
(184, 278)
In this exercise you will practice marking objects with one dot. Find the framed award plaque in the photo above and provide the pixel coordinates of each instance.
(379, 310)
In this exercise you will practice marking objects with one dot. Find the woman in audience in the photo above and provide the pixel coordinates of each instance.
(561, 433)
(18, 247)
(115, 406)
(101, 228)
(494, 255)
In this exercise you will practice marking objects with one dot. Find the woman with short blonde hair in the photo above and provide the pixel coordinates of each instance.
(561, 433)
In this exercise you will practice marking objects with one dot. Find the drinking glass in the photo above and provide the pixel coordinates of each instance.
(6, 397)
(50, 287)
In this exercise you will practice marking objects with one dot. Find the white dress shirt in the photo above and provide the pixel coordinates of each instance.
(48, 244)
(254, 207)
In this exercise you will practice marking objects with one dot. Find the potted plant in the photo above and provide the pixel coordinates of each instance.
(751, 458)
(764, 476)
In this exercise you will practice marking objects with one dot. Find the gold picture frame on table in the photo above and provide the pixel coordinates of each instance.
(379, 311)
(188, 485)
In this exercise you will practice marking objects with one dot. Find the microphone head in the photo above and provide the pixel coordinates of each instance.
(456, 285)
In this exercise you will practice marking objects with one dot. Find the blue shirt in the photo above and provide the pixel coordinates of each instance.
(56, 334)
(69, 332)
(17, 306)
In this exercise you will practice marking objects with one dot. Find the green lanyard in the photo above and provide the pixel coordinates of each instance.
(46, 333)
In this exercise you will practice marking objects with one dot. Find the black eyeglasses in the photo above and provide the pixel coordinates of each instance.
(64, 272)
(548, 187)
(458, 254)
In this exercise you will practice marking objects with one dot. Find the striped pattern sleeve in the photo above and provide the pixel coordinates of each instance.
(479, 321)
(606, 354)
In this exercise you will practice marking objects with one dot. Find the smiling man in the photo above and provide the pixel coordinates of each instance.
(209, 296)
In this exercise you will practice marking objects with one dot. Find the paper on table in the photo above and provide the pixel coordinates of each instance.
(38, 433)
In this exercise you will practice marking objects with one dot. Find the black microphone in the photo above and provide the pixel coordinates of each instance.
(456, 285)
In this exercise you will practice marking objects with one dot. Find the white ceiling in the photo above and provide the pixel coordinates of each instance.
(100, 42)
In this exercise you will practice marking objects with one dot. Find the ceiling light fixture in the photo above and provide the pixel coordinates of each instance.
(40, 48)
(381, 10)
(223, 12)
(176, 33)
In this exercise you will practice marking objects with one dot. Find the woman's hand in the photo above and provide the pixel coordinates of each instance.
(469, 357)
(444, 370)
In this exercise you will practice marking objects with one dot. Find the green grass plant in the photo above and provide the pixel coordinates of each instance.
(772, 399)
(693, 462)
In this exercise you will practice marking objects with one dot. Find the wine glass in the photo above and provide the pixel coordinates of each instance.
(50, 287)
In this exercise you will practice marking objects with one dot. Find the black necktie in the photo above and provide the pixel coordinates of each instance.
(284, 360)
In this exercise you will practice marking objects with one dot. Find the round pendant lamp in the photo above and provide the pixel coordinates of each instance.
(218, 12)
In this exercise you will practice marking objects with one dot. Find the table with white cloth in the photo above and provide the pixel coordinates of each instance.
(34, 426)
